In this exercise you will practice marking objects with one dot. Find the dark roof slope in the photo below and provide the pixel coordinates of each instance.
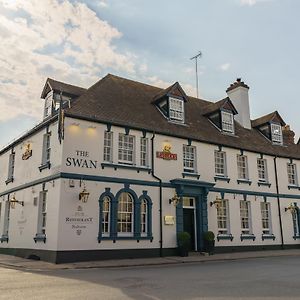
(213, 107)
(61, 86)
(125, 102)
(274, 116)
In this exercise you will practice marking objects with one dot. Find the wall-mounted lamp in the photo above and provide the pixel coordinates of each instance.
(292, 208)
(216, 202)
(84, 195)
(13, 202)
(175, 200)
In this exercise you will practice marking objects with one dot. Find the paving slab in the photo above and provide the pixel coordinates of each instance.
(9, 261)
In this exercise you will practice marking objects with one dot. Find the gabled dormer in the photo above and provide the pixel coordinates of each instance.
(221, 114)
(171, 102)
(271, 127)
(56, 92)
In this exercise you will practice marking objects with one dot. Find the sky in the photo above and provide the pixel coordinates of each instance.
(79, 42)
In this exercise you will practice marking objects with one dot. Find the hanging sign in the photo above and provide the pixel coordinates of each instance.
(166, 153)
(28, 153)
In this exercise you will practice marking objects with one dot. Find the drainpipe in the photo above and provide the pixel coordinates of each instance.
(278, 202)
(160, 197)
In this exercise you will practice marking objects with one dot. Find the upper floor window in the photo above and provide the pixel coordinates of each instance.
(265, 217)
(176, 109)
(242, 165)
(11, 167)
(292, 174)
(48, 105)
(189, 159)
(108, 146)
(262, 169)
(245, 217)
(223, 217)
(144, 152)
(227, 121)
(46, 151)
(276, 133)
(220, 163)
(126, 149)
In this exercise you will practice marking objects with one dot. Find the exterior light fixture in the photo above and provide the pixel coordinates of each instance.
(84, 195)
(292, 208)
(216, 202)
(13, 202)
(175, 200)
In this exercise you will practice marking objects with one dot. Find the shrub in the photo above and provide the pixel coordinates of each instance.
(209, 236)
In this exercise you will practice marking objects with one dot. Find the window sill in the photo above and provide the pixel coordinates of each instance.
(268, 237)
(4, 238)
(39, 237)
(128, 167)
(244, 181)
(124, 238)
(190, 174)
(224, 237)
(264, 183)
(296, 237)
(248, 237)
(294, 187)
(222, 178)
(47, 165)
(9, 180)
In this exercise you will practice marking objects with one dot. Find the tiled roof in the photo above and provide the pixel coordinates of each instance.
(212, 107)
(129, 103)
(274, 116)
(59, 86)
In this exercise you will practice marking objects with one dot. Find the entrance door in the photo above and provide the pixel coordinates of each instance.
(189, 225)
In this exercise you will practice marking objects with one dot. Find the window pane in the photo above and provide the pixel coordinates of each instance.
(125, 213)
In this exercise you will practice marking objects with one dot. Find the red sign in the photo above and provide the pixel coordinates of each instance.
(166, 155)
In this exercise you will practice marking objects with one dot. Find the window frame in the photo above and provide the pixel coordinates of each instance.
(245, 217)
(144, 217)
(223, 206)
(144, 152)
(265, 209)
(108, 146)
(189, 158)
(292, 176)
(126, 213)
(106, 216)
(227, 126)
(124, 150)
(242, 169)
(262, 171)
(11, 167)
(277, 138)
(176, 109)
(224, 164)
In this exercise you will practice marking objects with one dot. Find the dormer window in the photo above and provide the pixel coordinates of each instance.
(227, 121)
(176, 109)
(276, 133)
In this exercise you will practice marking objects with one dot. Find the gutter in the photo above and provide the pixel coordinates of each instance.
(160, 197)
(278, 203)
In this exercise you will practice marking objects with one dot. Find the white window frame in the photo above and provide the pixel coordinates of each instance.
(245, 217)
(144, 152)
(227, 121)
(144, 217)
(176, 109)
(108, 146)
(125, 215)
(48, 105)
(265, 209)
(106, 216)
(292, 174)
(295, 223)
(46, 148)
(126, 149)
(6, 217)
(11, 166)
(276, 133)
(223, 217)
(220, 163)
(189, 159)
(42, 213)
(262, 170)
(242, 167)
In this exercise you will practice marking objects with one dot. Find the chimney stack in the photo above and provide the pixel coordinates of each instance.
(238, 94)
(288, 135)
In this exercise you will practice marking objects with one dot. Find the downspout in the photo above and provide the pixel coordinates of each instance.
(278, 202)
(160, 197)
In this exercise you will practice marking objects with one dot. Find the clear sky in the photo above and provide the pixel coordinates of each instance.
(150, 41)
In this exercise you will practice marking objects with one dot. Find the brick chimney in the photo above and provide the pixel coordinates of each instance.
(238, 94)
(288, 135)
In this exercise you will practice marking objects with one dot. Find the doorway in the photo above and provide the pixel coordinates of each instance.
(189, 220)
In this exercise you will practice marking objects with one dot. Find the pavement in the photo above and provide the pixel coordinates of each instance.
(14, 262)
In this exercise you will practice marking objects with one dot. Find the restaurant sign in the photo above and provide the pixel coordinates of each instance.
(166, 153)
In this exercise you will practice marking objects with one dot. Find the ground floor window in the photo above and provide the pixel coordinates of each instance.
(125, 215)
(245, 217)
(296, 222)
(265, 217)
(223, 217)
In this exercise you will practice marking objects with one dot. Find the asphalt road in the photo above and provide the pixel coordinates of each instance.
(265, 278)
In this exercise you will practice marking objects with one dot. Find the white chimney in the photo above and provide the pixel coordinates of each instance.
(238, 94)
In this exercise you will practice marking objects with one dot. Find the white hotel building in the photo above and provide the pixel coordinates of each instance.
(117, 170)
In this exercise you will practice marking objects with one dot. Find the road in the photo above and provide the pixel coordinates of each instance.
(267, 278)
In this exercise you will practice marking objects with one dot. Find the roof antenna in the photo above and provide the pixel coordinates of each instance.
(196, 63)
